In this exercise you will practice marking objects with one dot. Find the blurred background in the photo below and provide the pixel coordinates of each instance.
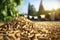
(41, 10)
(35, 10)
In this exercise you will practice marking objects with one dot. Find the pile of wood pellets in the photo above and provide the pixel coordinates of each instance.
(20, 28)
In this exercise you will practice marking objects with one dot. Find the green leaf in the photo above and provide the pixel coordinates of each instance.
(4, 13)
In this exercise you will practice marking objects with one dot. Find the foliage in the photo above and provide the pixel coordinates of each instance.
(41, 12)
(58, 10)
(8, 8)
(31, 10)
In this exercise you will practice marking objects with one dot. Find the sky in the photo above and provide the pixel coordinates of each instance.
(47, 4)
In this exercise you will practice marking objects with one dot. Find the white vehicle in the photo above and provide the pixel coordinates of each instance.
(30, 17)
(42, 16)
(35, 17)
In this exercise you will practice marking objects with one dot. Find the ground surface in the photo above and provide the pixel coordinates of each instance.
(49, 29)
(1, 24)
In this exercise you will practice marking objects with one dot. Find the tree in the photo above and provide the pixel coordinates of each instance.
(8, 9)
(41, 8)
(31, 10)
(41, 12)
